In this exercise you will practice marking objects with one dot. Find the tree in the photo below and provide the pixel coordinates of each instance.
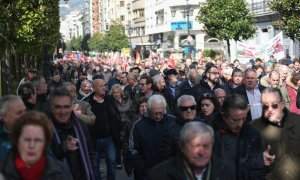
(97, 42)
(115, 38)
(27, 27)
(289, 11)
(227, 19)
(75, 44)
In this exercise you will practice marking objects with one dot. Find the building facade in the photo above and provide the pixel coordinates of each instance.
(71, 25)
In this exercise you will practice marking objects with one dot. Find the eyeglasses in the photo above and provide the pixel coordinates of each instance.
(206, 95)
(185, 108)
(214, 73)
(266, 106)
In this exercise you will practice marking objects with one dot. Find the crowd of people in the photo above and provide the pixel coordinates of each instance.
(205, 119)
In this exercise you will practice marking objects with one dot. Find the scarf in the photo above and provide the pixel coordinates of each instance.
(189, 172)
(33, 172)
(82, 145)
(83, 94)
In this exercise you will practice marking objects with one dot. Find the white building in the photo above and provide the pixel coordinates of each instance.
(167, 25)
(71, 25)
(88, 17)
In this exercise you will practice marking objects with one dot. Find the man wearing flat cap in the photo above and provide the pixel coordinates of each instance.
(30, 75)
(172, 85)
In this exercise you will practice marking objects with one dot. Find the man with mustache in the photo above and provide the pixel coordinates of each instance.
(280, 133)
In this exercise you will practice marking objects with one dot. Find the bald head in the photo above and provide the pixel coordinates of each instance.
(220, 95)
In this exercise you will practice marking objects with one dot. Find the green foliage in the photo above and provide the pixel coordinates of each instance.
(209, 53)
(97, 43)
(27, 26)
(289, 11)
(115, 39)
(227, 19)
(74, 44)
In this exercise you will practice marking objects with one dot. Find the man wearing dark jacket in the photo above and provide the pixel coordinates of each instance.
(195, 160)
(106, 130)
(72, 143)
(280, 132)
(237, 143)
(186, 110)
(146, 134)
(252, 92)
(209, 83)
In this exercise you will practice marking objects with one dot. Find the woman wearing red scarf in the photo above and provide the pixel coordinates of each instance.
(31, 136)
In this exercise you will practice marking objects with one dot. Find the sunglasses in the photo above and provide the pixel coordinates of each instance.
(206, 95)
(266, 106)
(185, 108)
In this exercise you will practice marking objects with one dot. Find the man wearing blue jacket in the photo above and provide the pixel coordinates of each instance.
(146, 135)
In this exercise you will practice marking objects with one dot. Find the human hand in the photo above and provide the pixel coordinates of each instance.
(268, 158)
(71, 143)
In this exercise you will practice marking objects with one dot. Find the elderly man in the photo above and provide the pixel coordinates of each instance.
(11, 108)
(85, 90)
(191, 81)
(72, 142)
(220, 95)
(237, 143)
(186, 109)
(160, 88)
(280, 132)
(195, 160)
(81, 109)
(41, 88)
(274, 81)
(106, 130)
(146, 134)
(252, 92)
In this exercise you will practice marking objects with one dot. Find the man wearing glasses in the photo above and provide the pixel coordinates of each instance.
(146, 134)
(209, 82)
(280, 133)
(186, 109)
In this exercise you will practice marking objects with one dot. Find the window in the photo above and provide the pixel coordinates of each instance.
(122, 18)
(122, 3)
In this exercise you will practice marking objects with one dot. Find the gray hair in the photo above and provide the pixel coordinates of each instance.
(37, 81)
(157, 78)
(86, 81)
(156, 99)
(249, 70)
(193, 129)
(5, 100)
(185, 98)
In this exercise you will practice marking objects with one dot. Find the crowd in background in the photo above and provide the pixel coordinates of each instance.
(156, 119)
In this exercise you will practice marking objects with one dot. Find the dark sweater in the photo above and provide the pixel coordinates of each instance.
(102, 128)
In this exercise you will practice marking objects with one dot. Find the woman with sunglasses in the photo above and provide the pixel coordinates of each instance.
(208, 109)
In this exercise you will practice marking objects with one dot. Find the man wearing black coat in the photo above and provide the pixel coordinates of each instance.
(195, 160)
(209, 83)
(106, 130)
(251, 90)
(186, 111)
(237, 143)
(146, 134)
